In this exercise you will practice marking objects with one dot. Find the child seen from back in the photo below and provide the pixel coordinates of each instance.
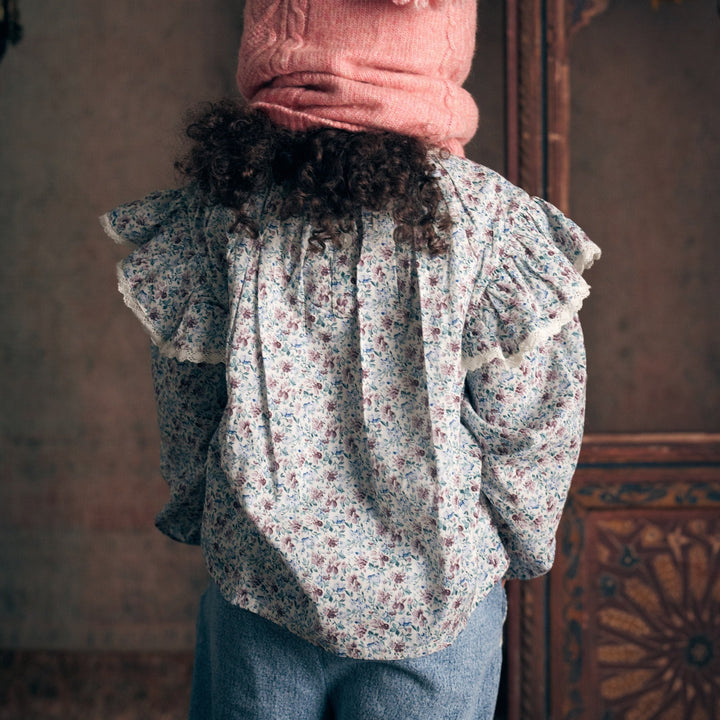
(368, 365)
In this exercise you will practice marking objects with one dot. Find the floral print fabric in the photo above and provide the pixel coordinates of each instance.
(364, 440)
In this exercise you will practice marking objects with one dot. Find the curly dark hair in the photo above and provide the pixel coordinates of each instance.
(327, 174)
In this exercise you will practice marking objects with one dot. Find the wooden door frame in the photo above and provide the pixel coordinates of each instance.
(548, 646)
(538, 35)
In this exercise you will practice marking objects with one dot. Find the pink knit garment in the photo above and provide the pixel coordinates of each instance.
(362, 65)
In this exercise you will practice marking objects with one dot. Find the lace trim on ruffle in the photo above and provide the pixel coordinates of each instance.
(589, 254)
(113, 234)
(535, 338)
(165, 347)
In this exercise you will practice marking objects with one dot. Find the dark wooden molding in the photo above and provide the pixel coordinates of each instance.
(538, 92)
(671, 448)
(580, 12)
(525, 94)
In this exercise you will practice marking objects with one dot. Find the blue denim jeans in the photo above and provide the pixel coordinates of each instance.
(247, 668)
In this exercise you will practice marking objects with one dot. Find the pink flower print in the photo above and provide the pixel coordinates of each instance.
(387, 413)
(418, 453)
(418, 546)
(241, 339)
(381, 344)
(419, 617)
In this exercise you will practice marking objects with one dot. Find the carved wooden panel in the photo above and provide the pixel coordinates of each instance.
(627, 624)
(657, 620)
(634, 598)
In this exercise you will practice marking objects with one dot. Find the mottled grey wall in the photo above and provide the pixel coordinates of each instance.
(90, 108)
(91, 105)
(645, 174)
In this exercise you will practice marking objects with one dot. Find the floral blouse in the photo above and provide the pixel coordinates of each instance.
(364, 440)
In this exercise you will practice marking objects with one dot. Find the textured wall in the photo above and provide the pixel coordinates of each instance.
(645, 145)
(91, 103)
(90, 106)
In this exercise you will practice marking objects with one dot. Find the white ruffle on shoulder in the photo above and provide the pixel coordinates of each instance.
(531, 285)
(175, 280)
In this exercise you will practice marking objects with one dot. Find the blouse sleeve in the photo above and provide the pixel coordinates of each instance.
(525, 385)
(175, 279)
(530, 286)
(527, 420)
(191, 398)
